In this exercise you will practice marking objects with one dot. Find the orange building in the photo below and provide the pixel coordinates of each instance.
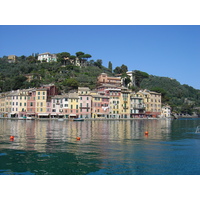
(103, 78)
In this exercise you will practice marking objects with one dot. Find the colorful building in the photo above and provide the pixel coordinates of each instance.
(137, 106)
(85, 102)
(103, 78)
(73, 109)
(125, 103)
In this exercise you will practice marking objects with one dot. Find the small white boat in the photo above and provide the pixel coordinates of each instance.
(60, 119)
(30, 118)
(197, 129)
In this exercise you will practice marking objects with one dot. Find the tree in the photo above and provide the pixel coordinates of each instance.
(110, 66)
(121, 70)
(31, 59)
(62, 57)
(79, 53)
(124, 68)
(98, 63)
(71, 83)
(139, 76)
(87, 56)
(117, 70)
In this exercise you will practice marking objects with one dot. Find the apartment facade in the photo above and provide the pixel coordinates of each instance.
(137, 106)
(85, 102)
(103, 78)
(152, 102)
(112, 103)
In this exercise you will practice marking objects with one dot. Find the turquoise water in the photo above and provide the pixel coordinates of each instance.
(106, 147)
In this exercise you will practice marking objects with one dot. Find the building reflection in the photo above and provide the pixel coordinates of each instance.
(50, 134)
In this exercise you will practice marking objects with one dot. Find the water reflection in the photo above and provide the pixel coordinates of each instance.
(106, 147)
(49, 135)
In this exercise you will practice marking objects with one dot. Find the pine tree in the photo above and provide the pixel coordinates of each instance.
(110, 66)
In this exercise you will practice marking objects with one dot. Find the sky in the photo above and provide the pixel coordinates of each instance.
(163, 50)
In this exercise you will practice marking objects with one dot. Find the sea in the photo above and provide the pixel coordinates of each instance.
(106, 147)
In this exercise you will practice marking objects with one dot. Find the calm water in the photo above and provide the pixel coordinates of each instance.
(105, 148)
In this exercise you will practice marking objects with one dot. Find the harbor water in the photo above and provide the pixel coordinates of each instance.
(120, 147)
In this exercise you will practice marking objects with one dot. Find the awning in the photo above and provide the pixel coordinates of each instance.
(74, 115)
(43, 114)
(53, 114)
(60, 114)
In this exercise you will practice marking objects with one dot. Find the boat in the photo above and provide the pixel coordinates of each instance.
(78, 119)
(197, 129)
(30, 118)
(60, 119)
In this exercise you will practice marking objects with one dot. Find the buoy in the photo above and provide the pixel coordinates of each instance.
(78, 138)
(146, 133)
(12, 137)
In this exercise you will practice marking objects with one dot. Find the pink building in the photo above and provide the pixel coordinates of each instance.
(85, 102)
(31, 104)
(100, 106)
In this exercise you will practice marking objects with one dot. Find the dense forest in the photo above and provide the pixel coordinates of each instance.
(66, 76)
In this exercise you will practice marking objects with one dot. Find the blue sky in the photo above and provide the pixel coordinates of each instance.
(169, 51)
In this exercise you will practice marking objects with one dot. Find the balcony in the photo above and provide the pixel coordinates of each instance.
(84, 107)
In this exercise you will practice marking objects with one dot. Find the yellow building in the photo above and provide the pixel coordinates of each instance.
(41, 102)
(73, 105)
(125, 103)
(12, 58)
(2, 104)
(8, 104)
(152, 101)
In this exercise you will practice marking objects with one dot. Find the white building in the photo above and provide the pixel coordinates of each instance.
(59, 106)
(166, 111)
(48, 57)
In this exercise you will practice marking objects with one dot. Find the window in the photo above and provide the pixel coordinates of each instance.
(43, 93)
(38, 93)
(53, 110)
(38, 97)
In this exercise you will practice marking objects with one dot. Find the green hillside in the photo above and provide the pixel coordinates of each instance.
(180, 97)
(66, 76)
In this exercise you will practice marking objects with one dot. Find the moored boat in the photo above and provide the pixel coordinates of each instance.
(78, 119)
